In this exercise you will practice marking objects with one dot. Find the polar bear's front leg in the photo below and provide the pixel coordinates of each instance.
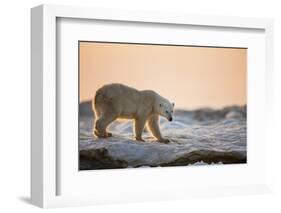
(139, 126)
(153, 126)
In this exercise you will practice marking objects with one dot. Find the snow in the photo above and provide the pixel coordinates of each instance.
(197, 138)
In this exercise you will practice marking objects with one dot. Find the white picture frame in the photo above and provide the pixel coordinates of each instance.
(45, 170)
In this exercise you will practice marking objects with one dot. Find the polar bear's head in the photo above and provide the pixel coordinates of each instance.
(166, 109)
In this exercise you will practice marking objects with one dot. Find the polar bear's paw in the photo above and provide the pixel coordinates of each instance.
(164, 140)
(102, 135)
(140, 139)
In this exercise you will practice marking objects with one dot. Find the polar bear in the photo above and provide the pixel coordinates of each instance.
(114, 101)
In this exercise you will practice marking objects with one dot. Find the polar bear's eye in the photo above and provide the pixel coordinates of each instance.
(167, 112)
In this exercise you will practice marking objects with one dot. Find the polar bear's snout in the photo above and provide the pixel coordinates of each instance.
(171, 118)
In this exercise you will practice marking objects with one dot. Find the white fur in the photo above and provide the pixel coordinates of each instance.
(119, 101)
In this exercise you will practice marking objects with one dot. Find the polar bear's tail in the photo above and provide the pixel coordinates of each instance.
(97, 97)
(96, 104)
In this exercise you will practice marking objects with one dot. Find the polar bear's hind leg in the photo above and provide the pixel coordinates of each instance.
(101, 125)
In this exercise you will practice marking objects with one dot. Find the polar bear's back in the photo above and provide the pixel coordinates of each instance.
(117, 97)
(117, 91)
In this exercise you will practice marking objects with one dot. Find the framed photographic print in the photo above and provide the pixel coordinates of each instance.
(130, 106)
(202, 128)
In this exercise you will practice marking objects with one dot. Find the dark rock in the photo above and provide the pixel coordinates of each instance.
(99, 159)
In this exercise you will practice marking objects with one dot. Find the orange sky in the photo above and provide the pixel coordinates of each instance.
(192, 77)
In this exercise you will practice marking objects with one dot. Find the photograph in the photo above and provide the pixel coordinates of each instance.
(144, 105)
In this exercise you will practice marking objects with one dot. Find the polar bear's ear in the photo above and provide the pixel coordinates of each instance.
(173, 104)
